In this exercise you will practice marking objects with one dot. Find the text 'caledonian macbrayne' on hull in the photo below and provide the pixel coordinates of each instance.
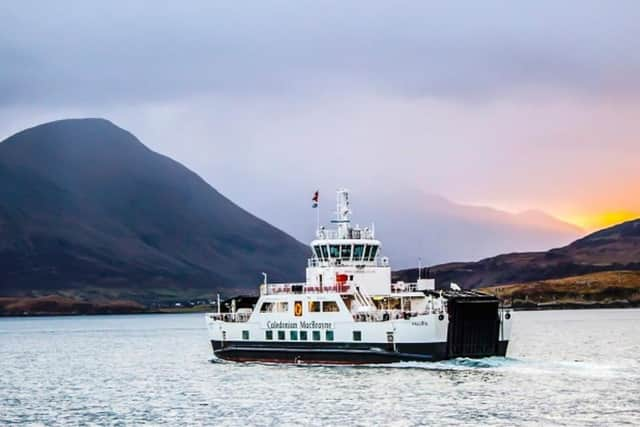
(349, 312)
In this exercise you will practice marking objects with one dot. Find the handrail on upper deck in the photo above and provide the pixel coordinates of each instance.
(302, 288)
(379, 261)
(230, 317)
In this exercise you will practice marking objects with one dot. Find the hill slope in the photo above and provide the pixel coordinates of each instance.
(86, 206)
(614, 248)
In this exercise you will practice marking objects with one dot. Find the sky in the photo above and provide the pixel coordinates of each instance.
(512, 105)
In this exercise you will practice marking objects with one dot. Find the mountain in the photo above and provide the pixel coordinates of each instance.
(612, 249)
(87, 209)
(413, 225)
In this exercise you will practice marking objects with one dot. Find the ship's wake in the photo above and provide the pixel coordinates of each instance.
(511, 365)
(495, 364)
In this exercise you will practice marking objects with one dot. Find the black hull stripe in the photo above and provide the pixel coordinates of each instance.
(373, 353)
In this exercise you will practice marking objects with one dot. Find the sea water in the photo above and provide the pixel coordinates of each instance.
(563, 368)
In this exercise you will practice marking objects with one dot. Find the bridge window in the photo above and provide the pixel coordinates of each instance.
(281, 335)
(316, 335)
(346, 252)
(357, 252)
(314, 306)
(357, 335)
(293, 335)
(303, 335)
(372, 256)
(329, 335)
(318, 252)
(330, 306)
(334, 251)
(245, 335)
(367, 250)
(268, 335)
(325, 252)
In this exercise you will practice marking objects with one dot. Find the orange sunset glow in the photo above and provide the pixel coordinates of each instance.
(596, 221)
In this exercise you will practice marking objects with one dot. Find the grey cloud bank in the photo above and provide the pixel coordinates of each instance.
(73, 52)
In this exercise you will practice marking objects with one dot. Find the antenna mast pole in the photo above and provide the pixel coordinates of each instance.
(343, 213)
(318, 218)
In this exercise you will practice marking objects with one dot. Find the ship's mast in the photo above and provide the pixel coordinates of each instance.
(343, 213)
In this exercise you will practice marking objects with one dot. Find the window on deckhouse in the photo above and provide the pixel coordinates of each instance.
(274, 307)
(330, 306)
(314, 306)
(267, 307)
(318, 252)
(281, 307)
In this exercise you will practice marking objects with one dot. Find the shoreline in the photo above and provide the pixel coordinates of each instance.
(545, 307)
(568, 306)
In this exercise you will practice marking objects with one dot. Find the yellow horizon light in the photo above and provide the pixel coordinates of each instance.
(602, 220)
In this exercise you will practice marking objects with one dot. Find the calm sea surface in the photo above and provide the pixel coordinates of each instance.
(563, 368)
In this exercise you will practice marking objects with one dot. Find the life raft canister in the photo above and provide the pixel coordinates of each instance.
(297, 308)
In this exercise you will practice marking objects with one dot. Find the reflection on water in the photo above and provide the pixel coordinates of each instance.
(564, 368)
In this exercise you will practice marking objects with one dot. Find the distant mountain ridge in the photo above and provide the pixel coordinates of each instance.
(439, 230)
(612, 249)
(86, 207)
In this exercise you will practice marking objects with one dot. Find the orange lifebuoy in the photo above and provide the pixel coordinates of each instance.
(297, 308)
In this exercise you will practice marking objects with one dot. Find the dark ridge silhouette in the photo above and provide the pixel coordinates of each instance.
(611, 249)
(85, 207)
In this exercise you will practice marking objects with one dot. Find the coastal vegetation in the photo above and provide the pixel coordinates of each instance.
(56, 304)
(596, 290)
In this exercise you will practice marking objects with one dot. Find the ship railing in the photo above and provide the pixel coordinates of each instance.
(302, 288)
(230, 317)
(353, 233)
(399, 287)
(386, 315)
(328, 234)
(378, 261)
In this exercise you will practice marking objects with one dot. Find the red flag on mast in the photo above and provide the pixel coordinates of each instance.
(315, 199)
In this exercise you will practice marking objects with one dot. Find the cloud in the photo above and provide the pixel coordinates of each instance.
(83, 53)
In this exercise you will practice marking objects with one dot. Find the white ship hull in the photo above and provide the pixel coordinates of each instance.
(290, 339)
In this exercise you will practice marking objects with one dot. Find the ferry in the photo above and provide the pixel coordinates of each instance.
(348, 311)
